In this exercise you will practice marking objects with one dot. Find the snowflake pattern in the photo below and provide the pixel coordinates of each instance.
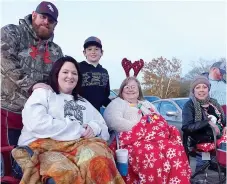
(171, 153)
(159, 171)
(137, 143)
(143, 121)
(184, 172)
(130, 159)
(127, 137)
(161, 124)
(161, 156)
(128, 177)
(130, 150)
(142, 178)
(150, 136)
(164, 180)
(136, 168)
(177, 164)
(121, 143)
(161, 146)
(179, 153)
(174, 180)
(149, 147)
(167, 166)
(141, 133)
(140, 151)
(155, 128)
(161, 134)
(149, 161)
(179, 141)
(151, 178)
(137, 159)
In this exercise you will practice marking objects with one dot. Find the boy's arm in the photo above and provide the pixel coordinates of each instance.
(107, 94)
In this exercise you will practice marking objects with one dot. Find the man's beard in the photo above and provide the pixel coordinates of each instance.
(41, 32)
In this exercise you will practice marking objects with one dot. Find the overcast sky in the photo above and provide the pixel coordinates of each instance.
(188, 30)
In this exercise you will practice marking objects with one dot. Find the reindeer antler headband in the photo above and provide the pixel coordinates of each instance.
(128, 65)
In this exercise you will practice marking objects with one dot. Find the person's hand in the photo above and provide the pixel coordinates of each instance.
(212, 119)
(41, 85)
(88, 133)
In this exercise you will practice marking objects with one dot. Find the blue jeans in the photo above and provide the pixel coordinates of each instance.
(200, 162)
(17, 171)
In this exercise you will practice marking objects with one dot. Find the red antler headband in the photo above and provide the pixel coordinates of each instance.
(128, 65)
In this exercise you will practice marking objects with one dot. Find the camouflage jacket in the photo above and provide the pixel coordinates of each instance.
(25, 59)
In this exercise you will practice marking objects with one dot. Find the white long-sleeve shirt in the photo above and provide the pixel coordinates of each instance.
(58, 116)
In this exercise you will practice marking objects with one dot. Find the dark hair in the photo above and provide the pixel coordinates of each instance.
(53, 77)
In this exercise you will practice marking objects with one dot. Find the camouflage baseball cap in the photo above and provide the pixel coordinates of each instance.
(47, 8)
(92, 40)
(221, 65)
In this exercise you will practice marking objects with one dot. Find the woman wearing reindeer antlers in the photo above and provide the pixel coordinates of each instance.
(156, 153)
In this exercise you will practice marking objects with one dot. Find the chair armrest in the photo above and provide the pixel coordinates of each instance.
(6, 148)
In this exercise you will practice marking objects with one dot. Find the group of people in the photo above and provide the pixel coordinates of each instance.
(57, 101)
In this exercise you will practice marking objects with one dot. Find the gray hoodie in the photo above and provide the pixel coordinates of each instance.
(25, 59)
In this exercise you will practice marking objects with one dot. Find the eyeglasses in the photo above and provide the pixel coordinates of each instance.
(130, 87)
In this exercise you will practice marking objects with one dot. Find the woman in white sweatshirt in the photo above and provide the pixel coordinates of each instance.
(66, 133)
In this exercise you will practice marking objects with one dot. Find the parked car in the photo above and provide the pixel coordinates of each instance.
(171, 110)
(112, 95)
(152, 98)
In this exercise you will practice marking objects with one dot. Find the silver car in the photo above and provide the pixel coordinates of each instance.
(171, 110)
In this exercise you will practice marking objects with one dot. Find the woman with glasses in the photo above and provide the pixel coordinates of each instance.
(156, 154)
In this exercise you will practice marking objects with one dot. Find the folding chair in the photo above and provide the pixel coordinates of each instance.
(10, 133)
(9, 136)
(217, 156)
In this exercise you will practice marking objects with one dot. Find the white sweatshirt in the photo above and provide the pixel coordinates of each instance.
(57, 116)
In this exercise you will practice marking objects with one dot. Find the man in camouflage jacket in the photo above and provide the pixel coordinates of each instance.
(27, 55)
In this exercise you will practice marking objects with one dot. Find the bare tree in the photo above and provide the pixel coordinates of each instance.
(162, 77)
(200, 66)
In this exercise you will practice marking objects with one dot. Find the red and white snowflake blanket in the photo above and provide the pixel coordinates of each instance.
(156, 153)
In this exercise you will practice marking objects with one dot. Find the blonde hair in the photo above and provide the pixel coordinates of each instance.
(125, 82)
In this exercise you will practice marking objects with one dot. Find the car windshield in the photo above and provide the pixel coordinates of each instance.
(181, 102)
